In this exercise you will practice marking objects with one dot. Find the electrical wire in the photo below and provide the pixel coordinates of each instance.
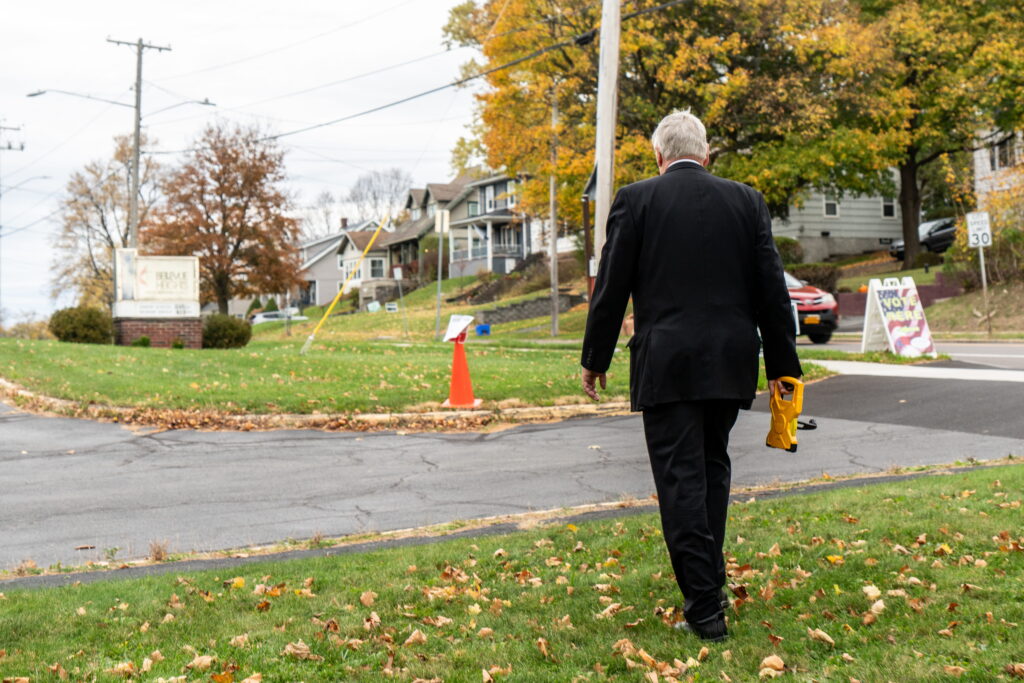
(581, 39)
(240, 109)
(288, 46)
(71, 137)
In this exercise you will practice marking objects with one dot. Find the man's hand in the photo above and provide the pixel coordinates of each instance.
(590, 380)
(785, 388)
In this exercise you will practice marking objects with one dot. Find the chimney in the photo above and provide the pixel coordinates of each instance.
(344, 223)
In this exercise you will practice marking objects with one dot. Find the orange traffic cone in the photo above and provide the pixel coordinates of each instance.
(460, 394)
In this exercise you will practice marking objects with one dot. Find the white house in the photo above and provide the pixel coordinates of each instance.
(826, 226)
(994, 164)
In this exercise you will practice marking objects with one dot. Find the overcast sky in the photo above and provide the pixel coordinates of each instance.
(251, 58)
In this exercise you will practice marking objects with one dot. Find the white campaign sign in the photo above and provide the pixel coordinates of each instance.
(979, 229)
(894, 320)
(457, 324)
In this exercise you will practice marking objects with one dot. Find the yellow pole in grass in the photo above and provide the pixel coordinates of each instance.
(341, 290)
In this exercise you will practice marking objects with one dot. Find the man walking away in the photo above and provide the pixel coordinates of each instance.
(696, 253)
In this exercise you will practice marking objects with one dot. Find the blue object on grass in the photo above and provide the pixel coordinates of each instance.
(482, 330)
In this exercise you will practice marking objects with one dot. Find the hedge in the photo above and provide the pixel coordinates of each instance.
(821, 275)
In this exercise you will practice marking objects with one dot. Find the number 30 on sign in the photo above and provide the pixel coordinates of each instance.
(979, 232)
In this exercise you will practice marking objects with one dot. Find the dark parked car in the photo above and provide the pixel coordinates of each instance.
(936, 236)
(817, 309)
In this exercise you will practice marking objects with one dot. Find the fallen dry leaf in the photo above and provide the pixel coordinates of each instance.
(820, 636)
(703, 654)
(299, 650)
(872, 592)
(417, 637)
(542, 645)
(1015, 669)
(240, 641)
(367, 598)
(485, 632)
(255, 678)
(201, 662)
(878, 607)
(847, 657)
(609, 611)
(773, 662)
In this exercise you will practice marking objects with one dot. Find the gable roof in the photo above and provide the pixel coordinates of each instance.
(444, 192)
(409, 230)
(361, 238)
(415, 198)
(329, 247)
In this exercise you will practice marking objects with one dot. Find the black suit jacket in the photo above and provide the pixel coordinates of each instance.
(696, 253)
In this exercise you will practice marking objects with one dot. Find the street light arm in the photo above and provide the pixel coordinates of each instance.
(205, 102)
(76, 94)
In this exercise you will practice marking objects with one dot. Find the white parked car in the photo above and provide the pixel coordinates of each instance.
(276, 315)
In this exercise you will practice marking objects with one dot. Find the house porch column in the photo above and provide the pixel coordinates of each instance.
(490, 248)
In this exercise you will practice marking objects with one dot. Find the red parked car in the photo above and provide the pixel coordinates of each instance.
(817, 309)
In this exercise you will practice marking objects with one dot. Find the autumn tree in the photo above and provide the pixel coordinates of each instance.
(958, 72)
(226, 204)
(788, 91)
(377, 193)
(94, 222)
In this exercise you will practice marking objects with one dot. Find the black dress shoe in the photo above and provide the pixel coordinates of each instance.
(712, 629)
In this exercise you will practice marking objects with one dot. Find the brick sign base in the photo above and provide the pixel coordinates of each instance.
(162, 332)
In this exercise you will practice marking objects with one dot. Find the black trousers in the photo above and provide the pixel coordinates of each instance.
(687, 443)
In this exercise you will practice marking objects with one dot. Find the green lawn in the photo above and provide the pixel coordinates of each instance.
(907, 581)
(271, 377)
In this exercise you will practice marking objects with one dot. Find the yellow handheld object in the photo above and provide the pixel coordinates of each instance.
(784, 416)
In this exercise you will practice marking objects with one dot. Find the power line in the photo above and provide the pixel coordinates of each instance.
(579, 40)
(68, 139)
(287, 46)
(347, 79)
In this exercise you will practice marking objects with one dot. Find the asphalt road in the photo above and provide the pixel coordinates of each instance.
(1006, 355)
(66, 483)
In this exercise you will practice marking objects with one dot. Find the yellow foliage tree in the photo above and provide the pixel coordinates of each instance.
(788, 91)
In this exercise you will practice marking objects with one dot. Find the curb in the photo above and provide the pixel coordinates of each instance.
(501, 525)
(457, 420)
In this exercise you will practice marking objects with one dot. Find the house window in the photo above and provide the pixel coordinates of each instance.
(473, 208)
(511, 190)
(831, 207)
(1003, 154)
(489, 194)
(888, 207)
(350, 267)
(376, 268)
(431, 209)
(416, 213)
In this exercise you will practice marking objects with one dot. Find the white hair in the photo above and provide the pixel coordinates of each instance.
(680, 134)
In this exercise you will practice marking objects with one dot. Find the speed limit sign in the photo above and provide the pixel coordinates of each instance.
(979, 232)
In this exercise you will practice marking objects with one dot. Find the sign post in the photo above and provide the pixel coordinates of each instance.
(397, 273)
(979, 234)
(441, 225)
(894, 320)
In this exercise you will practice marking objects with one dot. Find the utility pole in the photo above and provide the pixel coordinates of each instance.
(133, 201)
(553, 212)
(607, 106)
(5, 147)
